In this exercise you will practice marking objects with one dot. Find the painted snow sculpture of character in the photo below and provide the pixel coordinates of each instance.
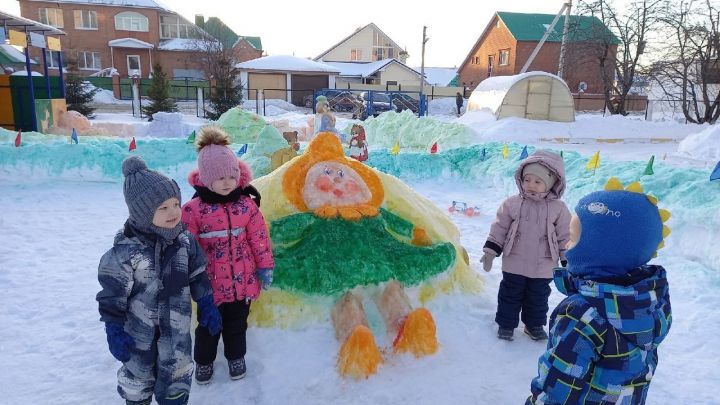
(283, 155)
(358, 145)
(339, 202)
(324, 118)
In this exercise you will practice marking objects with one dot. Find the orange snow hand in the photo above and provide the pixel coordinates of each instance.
(420, 238)
(359, 356)
(417, 335)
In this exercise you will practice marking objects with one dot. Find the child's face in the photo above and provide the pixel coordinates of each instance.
(575, 230)
(224, 185)
(168, 214)
(533, 184)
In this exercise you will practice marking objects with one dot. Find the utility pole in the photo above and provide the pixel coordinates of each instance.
(422, 70)
(563, 44)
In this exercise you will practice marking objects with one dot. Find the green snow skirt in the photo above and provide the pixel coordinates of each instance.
(335, 255)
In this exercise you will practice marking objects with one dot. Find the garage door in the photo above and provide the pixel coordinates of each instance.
(264, 81)
(303, 85)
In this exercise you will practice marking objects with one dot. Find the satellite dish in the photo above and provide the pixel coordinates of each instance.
(582, 87)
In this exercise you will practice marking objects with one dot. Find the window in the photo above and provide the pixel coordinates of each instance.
(173, 27)
(51, 16)
(504, 57)
(356, 54)
(53, 59)
(477, 60)
(85, 19)
(491, 63)
(89, 60)
(382, 49)
(131, 21)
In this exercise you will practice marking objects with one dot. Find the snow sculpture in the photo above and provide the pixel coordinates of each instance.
(358, 144)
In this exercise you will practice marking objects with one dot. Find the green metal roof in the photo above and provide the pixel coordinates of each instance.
(215, 27)
(254, 41)
(531, 27)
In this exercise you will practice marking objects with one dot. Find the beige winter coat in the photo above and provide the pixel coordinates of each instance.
(532, 232)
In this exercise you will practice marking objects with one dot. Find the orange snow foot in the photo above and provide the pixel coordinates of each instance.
(417, 335)
(359, 356)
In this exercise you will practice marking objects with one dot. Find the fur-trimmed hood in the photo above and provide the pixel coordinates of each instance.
(243, 181)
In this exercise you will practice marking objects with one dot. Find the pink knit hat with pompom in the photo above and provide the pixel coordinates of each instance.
(215, 159)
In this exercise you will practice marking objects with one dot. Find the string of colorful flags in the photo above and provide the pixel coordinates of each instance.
(592, 165)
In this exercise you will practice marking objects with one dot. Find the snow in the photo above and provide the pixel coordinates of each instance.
(120, 3)
(63, 204)
(364, 69)
(286, 63)
(24, 73)
(180, 44)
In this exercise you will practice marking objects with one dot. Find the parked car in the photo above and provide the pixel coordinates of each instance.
(380, 102)
(339, 100)
(405, 102)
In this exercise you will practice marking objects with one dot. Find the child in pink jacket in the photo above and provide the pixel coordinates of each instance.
(231, 230)
(531, 231)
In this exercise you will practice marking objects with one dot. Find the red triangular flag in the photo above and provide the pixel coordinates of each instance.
(433, 148)
(132, 146)
(18, 139)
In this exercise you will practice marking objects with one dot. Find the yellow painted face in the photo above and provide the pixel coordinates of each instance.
(333, 184)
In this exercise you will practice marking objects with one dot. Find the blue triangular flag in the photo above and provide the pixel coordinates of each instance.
(242, 150)
(73, 137)
(715, 175)
(524, 153)
(482, 155)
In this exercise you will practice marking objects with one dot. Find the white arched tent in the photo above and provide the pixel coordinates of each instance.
(531, 95)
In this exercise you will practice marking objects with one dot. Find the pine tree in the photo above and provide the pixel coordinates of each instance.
(78, 93)
(225, 96)
(159, 94)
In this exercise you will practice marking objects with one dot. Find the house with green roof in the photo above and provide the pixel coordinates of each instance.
(509, 39)
(245, 48)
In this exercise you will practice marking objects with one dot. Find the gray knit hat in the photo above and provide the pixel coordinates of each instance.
(144, 191)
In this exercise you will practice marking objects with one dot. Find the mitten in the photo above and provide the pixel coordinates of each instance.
(119, 341)
(266, 276)
(488, 258)
(209, 316)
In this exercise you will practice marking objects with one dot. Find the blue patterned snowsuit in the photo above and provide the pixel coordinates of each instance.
(603, 340)
(146, 287)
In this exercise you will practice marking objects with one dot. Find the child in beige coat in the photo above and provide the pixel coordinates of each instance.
(531, 232)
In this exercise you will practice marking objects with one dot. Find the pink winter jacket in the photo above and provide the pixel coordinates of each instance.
(235, 239)
(532, 232)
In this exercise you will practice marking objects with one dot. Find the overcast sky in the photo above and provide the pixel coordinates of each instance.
(306, 29)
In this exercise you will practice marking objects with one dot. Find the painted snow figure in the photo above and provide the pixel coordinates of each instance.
(604, 336)
(283, 155)
(358, 144)
(148, 278)
(339, 200)
(324, 118)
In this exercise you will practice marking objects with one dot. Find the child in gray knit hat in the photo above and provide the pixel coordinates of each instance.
(148, 279)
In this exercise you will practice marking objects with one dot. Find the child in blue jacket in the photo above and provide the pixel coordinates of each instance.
(604, 336)
(148, 278)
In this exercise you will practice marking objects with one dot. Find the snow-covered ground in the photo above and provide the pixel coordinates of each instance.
(57, 219)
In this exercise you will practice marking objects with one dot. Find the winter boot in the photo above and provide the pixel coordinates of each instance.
(203, 373)
(536, 332)
(505, 333)
(237, 368)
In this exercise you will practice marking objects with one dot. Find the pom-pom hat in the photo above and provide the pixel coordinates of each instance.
(144, 191)
(215, 159)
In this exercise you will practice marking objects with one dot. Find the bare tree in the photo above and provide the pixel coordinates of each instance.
(619, 54)
(689, 70)
(218, 63)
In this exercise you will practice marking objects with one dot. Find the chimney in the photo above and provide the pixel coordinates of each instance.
(200, 20)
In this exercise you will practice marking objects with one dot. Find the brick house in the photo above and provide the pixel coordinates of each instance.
(130, 36)
(509, 39)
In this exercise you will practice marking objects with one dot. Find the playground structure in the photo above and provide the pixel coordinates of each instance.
(31, 102)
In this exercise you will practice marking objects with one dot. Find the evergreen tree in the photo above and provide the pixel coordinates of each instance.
(225, 96)
(78, 93)
(159, 94)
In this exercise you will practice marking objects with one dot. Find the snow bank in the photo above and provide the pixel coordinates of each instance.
(168, 125)
(704, 145)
